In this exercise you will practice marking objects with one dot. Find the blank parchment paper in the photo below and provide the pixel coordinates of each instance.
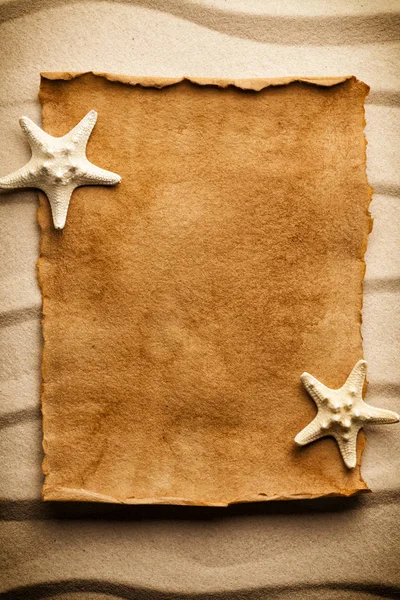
(181, 307)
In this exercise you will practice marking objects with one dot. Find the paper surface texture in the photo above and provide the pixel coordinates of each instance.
(181, 307)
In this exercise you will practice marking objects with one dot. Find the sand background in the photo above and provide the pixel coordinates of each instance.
(341, 548)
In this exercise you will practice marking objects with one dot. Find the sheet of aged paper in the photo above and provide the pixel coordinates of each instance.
(181, 307)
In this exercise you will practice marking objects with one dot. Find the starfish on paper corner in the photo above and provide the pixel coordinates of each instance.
(59, 165)
(342, 413)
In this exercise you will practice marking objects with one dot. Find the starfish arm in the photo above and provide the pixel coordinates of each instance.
(22, 178)
(309, 434)
(355, 381)
(80, 134)
(37, 138)
(317, 390)
(59, 198)
(348, 449)
(93, 175)
(371, 414)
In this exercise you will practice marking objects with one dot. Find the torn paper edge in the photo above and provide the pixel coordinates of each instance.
(254, 84)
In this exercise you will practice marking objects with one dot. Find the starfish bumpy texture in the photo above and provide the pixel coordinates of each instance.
(342, 413)
(59, 165)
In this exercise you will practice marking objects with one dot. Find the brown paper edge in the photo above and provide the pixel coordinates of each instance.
(52, 493)
(254, 84)
(80, 495)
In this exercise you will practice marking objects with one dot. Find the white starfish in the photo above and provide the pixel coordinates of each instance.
(342, 413)
(59, 165)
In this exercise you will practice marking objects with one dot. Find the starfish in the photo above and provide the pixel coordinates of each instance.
(59, 165)
(342, 413)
